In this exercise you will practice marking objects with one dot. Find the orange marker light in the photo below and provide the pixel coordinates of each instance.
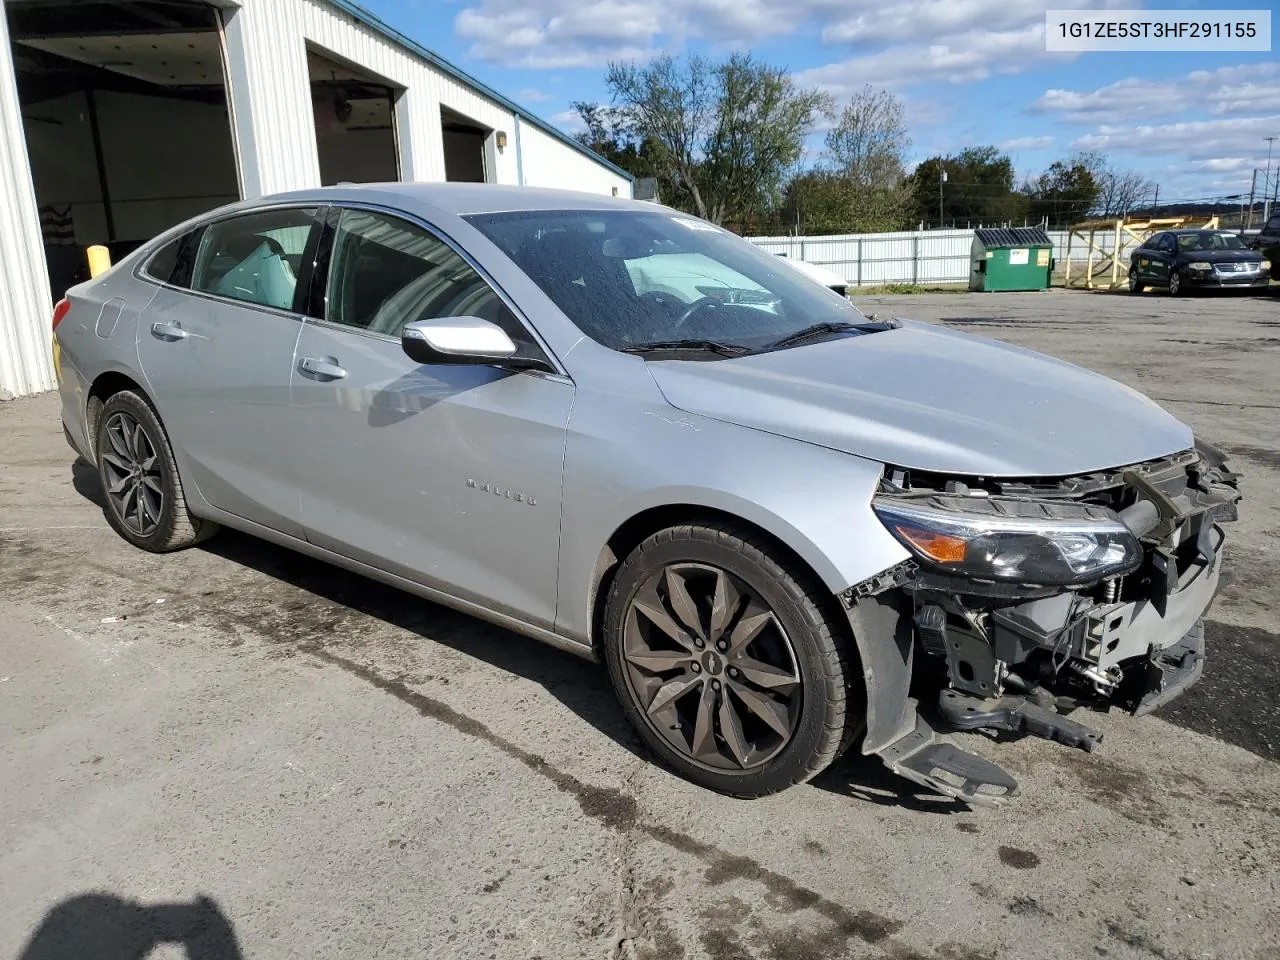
(936, 546)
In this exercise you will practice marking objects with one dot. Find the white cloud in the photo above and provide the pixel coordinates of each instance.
(532, 95)
(1227, 90)
(910, 21)
(1027, 143)
(569, 121)
(962, 39)
(1194, 139)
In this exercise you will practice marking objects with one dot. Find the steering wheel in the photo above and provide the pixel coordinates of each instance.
(702, 303)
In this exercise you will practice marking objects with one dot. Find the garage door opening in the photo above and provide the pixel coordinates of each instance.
(464, 147)
(124, 110)
(355, 123)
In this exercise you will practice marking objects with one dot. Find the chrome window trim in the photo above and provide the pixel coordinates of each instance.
(162, 241)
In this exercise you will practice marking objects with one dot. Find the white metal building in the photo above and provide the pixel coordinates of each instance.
(119, 118)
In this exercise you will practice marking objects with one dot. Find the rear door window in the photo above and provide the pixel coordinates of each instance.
(256, 258)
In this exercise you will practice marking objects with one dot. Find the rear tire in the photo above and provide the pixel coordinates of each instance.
(139, 475)
(731, 660)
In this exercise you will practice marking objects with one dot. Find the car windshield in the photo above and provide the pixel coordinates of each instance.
(630, 278)
(1208, 240)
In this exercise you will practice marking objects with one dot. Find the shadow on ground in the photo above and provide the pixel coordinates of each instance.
(100, 926)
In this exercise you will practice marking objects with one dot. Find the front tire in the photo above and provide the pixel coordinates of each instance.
(1135, 286)
(139, 475)
(730, 659)
(1176, 286)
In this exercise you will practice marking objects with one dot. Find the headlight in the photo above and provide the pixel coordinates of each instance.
(1265, 265)
(1012, 541)
(1199, 265)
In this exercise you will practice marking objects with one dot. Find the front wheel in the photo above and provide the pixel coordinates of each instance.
(1176, 288)
(1135, 286)
(731, 660)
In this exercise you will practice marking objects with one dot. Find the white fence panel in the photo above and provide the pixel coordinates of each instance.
(916, 256)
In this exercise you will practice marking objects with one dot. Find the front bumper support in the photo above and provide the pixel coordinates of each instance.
(1016, 715)
(1171, 671)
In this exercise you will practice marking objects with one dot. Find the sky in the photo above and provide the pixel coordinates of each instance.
(970, 72)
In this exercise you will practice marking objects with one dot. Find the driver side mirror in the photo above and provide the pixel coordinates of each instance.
(464, 340)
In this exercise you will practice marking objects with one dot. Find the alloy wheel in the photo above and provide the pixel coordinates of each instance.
(132, 472)
(712, 668)
(1175, 283)
(1133, 280)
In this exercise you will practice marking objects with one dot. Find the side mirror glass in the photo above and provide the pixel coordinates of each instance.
(456, 340)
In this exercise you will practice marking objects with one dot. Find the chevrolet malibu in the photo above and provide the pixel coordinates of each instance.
(632, 435)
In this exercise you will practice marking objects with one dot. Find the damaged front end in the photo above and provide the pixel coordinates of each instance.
(1036, 597)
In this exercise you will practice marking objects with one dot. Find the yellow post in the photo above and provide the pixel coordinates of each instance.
(1088, 270)
(1115, 256)
(99, 259)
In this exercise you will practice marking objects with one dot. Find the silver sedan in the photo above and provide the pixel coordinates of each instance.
(628, 433)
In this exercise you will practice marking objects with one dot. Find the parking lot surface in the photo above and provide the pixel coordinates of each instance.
(248, 753)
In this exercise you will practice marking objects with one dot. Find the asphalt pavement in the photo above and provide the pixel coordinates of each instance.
(246, 753)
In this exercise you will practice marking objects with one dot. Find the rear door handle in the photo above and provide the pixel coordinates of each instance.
(322, 368)
(168, 331)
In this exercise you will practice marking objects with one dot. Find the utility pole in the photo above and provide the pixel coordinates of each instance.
(942, 178)
(1252, 187)
(1266, 183)
(1155, 204)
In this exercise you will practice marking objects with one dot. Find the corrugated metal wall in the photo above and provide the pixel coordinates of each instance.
(26, 359)
(920, 256)
(549, 163)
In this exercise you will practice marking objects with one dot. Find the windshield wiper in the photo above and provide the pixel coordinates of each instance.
(824, 328)
(689, 346)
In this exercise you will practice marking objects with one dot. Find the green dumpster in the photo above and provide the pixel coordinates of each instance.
(1010, 258)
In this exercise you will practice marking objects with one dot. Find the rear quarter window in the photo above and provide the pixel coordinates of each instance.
(172, 263)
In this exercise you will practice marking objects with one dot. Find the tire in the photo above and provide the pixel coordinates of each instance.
(144, 500)
(1176, 287)
(1135, 287)
(779, 632)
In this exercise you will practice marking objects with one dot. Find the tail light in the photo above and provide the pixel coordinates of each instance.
(60, 311)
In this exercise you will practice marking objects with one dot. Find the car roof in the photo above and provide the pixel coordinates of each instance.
(463, 199)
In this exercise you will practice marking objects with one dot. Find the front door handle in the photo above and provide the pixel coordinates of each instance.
(170, 332)
(322, 368)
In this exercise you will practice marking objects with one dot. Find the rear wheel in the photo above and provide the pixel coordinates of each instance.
(730, 660)
(145, 504)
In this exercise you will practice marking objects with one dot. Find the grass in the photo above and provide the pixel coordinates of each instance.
(903, 289)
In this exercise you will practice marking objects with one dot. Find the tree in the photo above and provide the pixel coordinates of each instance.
(859, 186)
(869, 142)
(1064, 193)
(727, 132)
(825, 202)
(978, 189)
(1119, 191)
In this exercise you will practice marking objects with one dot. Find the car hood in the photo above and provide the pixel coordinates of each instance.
(925, 397)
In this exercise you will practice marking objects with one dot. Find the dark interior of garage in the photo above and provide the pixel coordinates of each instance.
(355, 123)
(125, 113)
(463, 147)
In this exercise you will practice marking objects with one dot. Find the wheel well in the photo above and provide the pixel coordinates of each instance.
(103, 389)
(636, 530)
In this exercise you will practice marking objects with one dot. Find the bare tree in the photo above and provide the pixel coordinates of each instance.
(1119, 191)
(869, 143)
(725, 132)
